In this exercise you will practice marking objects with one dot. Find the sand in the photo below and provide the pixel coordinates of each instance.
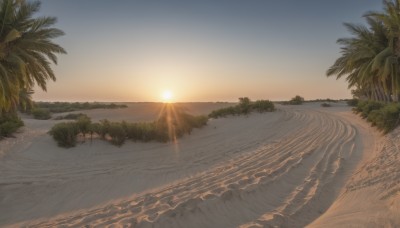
(298, 166)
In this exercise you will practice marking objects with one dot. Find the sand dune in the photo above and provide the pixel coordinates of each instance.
(299, 165)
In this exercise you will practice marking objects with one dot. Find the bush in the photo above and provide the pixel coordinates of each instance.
(83, 125)
(263, 106)
(71, 116)
(58, 107)
(172, 123)
(352, 102)
(65, 134)
(9, 125)
(94, 128)
(117, 133)
(103, 128)
(386, 118)
(367, 107)
(244, 107)
(325, 105)
(41, 114)
(297, 100)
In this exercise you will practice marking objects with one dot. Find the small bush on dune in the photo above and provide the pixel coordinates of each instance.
(263, 106)
(148, 131)
(117, 133)
(71, 116)
(41, 114)
(244, 107)
(352, 102)
(94, 128)
(297, 100)
(58, 107)
(370, 106)
(83, 125)
(104, 128)
(325, 105)
(64, 134)
(172, 124)
(385, 117)
(9, 125)
(223, 112)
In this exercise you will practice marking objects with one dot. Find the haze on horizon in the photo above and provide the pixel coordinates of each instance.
(199, 50)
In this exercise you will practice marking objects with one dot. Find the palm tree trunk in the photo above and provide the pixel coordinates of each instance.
(382, 92)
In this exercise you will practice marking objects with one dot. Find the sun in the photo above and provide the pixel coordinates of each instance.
(167, 96)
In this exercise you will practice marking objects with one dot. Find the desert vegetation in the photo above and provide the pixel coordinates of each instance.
(71, 116)
(173, 123)
(296, 100)
(326, 105)
(44, 110)
(41, 114)
(370, 58)
(352, 102)
(26, 54)
(370, 64)
(385, 117)
(59, 107)
(244, 107)
(9, 124)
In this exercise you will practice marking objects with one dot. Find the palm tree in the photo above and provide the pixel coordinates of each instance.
(366, 60)
(26, 50)
(25, 102)
(390, 18)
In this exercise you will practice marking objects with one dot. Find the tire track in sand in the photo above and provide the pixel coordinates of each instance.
(278, 184)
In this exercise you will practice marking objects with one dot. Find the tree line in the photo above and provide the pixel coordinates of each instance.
(369, 59)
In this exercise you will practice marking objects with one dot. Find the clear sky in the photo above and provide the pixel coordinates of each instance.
(205, 50)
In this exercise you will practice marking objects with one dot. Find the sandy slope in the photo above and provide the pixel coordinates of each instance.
(371, 198)
(276, 169)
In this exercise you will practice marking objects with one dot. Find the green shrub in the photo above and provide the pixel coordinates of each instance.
(65, 134)
(172, 123)
(117, 133)
(325, 105)
(352, 102)
(297, 100)
(370, 106)
(263, 106)
(386, 118)
(244, 107)
(360, 106)
(83, 124)
(41, 114)
(104, 128)
(71, 116)
(148, 131)
(94, 128)
(9, 124)
(58, 107)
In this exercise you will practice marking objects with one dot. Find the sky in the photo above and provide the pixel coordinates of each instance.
(205, 50)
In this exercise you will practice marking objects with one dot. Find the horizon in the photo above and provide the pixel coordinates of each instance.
(178, 102)
(200, 51)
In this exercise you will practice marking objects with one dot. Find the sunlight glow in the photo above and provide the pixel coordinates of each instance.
(167, 96)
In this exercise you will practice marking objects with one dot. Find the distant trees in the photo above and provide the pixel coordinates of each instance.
(370, 59)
